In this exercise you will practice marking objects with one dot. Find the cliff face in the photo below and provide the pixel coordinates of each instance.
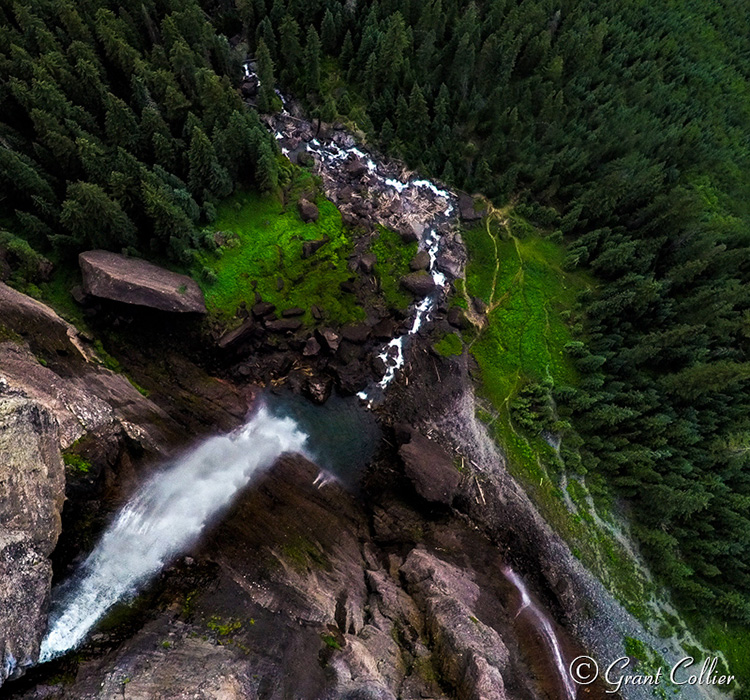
(53, 394)
(32, 487)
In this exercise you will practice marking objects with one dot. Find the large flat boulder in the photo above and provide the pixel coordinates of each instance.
(133, 281)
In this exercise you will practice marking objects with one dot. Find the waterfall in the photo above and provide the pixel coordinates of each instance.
(542, 623)
(163, 519)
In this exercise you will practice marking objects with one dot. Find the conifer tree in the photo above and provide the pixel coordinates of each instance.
(312, 61)
(267, 98)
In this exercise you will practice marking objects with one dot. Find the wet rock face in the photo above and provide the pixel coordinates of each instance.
(133, 281)
(32, 487)
(317, 610)
(420, 284)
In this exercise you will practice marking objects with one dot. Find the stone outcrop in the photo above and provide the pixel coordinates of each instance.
(134, 281)
(39, 325)
(471, 655)
(420, 284)
(32, 487)
(467, 208)
(307, 211)
(430, 468)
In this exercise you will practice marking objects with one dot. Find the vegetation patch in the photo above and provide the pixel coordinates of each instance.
(331, 642)
(266, 254)
(75, 463)
(733, 641)
(393, 258)
(303, 554)
(524, 365)
(223, 627)
(449, 345)
(649, 662)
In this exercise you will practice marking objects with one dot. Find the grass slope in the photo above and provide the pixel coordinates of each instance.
(268, 246)
(519, 275)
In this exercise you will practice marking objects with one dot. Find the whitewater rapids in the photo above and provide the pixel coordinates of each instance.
(163, 519)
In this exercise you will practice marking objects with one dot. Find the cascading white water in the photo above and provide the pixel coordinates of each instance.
(544, 626)
(164, 518)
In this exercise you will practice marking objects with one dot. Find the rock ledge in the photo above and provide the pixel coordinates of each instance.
(133, 281)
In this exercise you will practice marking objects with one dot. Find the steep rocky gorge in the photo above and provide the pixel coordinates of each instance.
(393, 590)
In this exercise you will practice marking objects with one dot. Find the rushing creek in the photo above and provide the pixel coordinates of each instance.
(170, 511)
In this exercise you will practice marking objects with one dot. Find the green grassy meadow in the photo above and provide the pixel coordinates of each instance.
(267, 246)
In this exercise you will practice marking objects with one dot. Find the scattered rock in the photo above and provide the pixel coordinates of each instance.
(355, 167)
(466, 208)
(479, 305)
(284, 325)
(224, 238)
(309, 248)
(329, 339)
(457, 318)
(133, 281)
(411, 231)
(345, 194)
(263, 309)
(307, 211)
(351, 378)
(378, 366)
(384, 329)
(356, 334)
(305, 159)
(318, 389)
(348, 286)
(79, 296)
(249, 87)
(317, 312)
(279, 284)
(293, 311)
(349, 352)
(421, 261)
(367, 263)
(237, 335)
(312, 347)
(418, 283)
(408, 233)
(430, 468)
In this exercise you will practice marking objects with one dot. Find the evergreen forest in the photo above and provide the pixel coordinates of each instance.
(621, 127)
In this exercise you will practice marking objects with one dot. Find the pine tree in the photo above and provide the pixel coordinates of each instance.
(312, 61)
(291, 50)
(206, 174)
(94, 219)
(268, 101)
(266, 170)
(329, 34)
